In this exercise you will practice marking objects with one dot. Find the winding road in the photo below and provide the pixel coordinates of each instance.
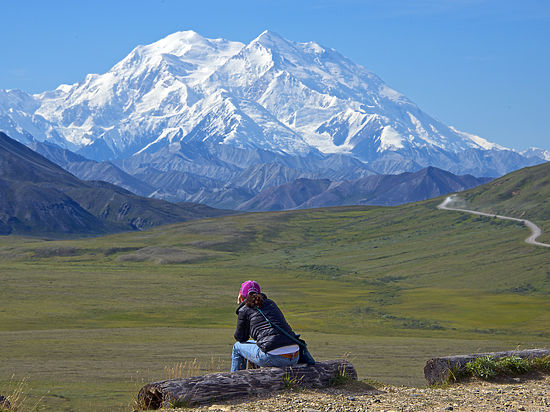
(535, 230)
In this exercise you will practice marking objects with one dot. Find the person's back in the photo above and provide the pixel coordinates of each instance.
(260, 318)
(267, 336)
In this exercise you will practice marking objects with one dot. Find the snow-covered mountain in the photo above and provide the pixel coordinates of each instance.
(216, 108)
(536, 152)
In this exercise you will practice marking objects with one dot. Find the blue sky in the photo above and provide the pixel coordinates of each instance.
(480, 65)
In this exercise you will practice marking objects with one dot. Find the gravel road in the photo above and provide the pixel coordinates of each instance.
(535, 230)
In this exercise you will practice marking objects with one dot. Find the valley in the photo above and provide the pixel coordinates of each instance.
(134, 202)
(367, 281)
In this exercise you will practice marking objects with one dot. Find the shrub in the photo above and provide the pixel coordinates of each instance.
(483, 367)
(487, 367)
(514, 365)
(542, 364)
(292, 383)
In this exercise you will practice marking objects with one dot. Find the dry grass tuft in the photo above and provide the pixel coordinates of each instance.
(187, 369)
(17, 398)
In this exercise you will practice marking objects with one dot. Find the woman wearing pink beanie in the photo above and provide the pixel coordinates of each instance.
(273, 341)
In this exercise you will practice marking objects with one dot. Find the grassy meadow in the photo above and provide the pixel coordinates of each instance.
(87, 322)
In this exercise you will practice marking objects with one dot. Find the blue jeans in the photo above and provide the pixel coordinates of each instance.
(250, 351)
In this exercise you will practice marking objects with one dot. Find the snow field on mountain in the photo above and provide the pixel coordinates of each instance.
(272, 94)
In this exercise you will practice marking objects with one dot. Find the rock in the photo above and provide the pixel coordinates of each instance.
(220, 408)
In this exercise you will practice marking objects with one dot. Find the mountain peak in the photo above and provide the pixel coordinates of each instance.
(275, 42)
(271, 40)
(272, 94)
(182, 42)
(271, 36)
(186, 34)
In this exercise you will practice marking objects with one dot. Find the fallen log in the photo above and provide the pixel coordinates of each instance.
(438, 370)
(221, 386)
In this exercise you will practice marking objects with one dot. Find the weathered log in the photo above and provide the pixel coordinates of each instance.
(221, 386)
(438, 370)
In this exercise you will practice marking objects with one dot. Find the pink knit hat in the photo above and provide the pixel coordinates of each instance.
(249, 286)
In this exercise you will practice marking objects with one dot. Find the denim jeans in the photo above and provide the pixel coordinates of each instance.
(250, 351)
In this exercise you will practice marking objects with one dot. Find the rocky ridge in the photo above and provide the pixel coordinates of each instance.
(37, 197)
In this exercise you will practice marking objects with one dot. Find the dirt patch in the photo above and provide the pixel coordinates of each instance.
(162, 255)
(62, 251)
(113, 250)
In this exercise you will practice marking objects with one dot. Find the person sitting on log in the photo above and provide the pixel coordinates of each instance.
(269, 346)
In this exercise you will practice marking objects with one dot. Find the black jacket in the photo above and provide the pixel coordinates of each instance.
(251, 324)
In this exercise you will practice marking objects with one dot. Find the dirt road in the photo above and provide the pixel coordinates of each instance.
(535, 230)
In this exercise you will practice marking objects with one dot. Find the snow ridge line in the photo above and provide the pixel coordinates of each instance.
(535, 230)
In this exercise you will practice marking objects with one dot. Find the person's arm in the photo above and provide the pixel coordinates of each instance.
(242, 333)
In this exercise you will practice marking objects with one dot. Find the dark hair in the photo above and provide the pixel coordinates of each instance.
(254, 299)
